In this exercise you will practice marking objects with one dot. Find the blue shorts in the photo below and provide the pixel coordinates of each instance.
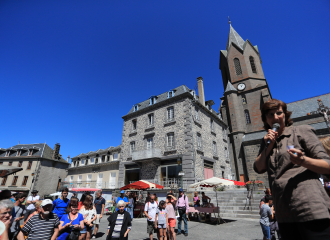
(86, 229)
(161, 226)
(265, 231)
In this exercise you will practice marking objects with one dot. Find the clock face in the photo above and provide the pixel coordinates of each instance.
(241, 86)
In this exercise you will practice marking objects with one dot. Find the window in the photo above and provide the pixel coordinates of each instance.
(103, 158)
(7, 153)
(152, 100)
(25, 179)
(199, 140)
(149, 143)
(132, 147)
(29, 165)
(99, 180)
(134, 124)
(170, 140)
(20, 163)
(92, 161)
(169, 174)
(247, 116)
(18, 153)
(196, 114)
(10, 163)
(89, 177)
(30, 152)
(244, 99)
(170, 113)
(253, 66)
(223, 174)
(112, 181)
(238, 68)
(14, 181)
(212, 125)
(82, 162)
(4, 180)
(115, 156)
(135, 108)
(96, 159)
(151, 119)
(214, 147)
(170, 94)
(71, 178)
(79, 178)
(226, 152)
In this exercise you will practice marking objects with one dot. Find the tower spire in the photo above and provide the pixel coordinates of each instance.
(234, 37)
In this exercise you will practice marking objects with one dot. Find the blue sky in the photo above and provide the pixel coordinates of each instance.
(69, 70)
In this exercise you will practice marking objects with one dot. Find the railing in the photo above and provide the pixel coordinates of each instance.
(168, 182)
(89, 184)
(149, 153)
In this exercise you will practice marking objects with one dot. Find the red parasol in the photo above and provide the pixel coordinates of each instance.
(142, 185)
(238, 183)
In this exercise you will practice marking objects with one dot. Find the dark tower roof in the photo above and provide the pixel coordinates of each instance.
(234, 37)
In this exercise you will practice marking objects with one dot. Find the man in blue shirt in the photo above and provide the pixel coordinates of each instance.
(122, 197)
(60, 204)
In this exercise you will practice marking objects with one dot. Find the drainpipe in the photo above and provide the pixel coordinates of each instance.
(192, 136)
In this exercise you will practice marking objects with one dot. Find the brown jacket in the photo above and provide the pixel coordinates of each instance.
(297, 192)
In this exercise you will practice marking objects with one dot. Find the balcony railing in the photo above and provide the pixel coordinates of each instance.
(145, 154)
(168, 182)
(89, 184)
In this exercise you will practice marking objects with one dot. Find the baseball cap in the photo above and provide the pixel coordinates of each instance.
(122, 191)
(46, 202)
(180, 190)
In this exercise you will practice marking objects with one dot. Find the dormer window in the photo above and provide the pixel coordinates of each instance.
(7, 154)
(18, 153)
(152, 100)
(135, 108)
(30, 152)
(170, 94)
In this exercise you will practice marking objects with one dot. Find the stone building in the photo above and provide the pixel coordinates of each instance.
(246, 89)
(171, 133)
(95, 169)
(43, 168)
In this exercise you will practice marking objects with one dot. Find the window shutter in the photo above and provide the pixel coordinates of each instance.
(238, 68)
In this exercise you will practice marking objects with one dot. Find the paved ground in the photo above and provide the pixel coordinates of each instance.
(238, 229)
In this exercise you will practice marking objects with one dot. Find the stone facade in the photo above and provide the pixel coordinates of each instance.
(40, 171)
(182, 153)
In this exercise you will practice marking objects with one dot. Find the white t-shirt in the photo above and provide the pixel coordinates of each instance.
(151, 209)
(31, 198)
(90, 213)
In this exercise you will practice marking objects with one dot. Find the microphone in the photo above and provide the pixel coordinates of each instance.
(275, 128)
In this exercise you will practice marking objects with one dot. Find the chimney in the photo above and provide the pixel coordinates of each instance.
(201, 90)
(56, 151)
(68, 158)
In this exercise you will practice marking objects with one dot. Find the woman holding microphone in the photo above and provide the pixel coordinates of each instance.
(293, 157)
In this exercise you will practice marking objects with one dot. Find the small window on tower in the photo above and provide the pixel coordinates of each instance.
(247, 116)
(170, 94)
(152, 100)
(238, 68)
(135, 108)
(244, 99)
(253, 66)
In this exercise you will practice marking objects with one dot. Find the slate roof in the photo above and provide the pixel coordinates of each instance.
(111, 148)
(230, 87)
(161, 97)
(234, 37)
(39, 151)
(302, 107)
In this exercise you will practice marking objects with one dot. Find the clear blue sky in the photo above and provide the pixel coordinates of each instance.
(70, 70)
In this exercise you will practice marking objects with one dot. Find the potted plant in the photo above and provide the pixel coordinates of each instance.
(259, 183)
(249, 184)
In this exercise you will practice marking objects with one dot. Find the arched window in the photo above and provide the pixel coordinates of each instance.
(253, 66)
(247, 116)
(238, 68)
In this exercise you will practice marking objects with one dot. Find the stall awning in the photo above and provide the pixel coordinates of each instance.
(7, 170)
(84, 189)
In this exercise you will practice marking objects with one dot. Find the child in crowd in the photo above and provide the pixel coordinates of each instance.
(266, 213)
(161, 220)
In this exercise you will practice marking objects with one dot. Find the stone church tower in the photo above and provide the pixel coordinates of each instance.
(246, 89)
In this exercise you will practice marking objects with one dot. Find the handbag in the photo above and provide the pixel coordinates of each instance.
(74, 234)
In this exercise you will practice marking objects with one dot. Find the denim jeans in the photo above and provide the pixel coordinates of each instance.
(184, 218)
(130, 209)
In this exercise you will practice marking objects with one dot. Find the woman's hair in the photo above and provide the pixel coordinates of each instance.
(82, 199)
(120, 203)
(203, 192)
(326, 144)
(65, 190)
(88, 202)
(195, 192)
(161, 205)
(6, 203)
(73, 202)
(267, 191)
(271, 105)
(38, 204)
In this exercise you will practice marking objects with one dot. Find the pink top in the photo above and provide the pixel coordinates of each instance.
(195, 199)
(170, 211)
